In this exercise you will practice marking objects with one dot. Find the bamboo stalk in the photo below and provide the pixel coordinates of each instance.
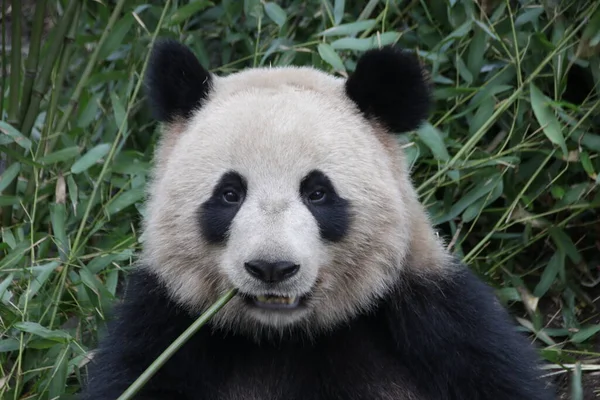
(59, 79)
(176, 345)
(74, 99)
(15, 65)
(41, 83)
(3, 55)
(43, 79)
(31, 65)
(13, 100)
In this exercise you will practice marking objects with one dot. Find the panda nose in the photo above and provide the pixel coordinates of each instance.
(271, 272)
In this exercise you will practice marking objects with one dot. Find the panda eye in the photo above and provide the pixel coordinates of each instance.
(317, 196)
(231, 197)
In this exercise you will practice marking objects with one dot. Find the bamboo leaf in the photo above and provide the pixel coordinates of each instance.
(9, 238)
(529, 15)
(485, 28)
(564, 242)
(9, 201)
(253, 8)
(116, 36)
(58, 218)
(60, 156)
(39, 278)
(463, 71)
(349, 29)
(460, 32)
(587, 139)
(90, 280)
(554, 266)
(124, 200)
(329, 55)
(188, 10)
(7, 345)
(5, 293)
(432, 138)
(89, 111)
(483, 113)
(586, 163)
(475, 57)
(59, 373)
(338, 11)
(585, 333)
(38, 330)
(546, 118)
(276, 13)
(15, 255)
(385, 39)
(16, 136)
(469, 198)
(90, 158)
(9, 175)
(473, 210)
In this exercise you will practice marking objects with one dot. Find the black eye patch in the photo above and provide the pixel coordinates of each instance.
(330, 210)
(217, 213)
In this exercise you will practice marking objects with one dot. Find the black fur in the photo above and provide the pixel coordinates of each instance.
(389, 86)
(216, 214)
(176, 82)
(438, 340)
(332, 213)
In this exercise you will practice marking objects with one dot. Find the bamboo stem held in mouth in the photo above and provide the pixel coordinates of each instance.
(176, 345)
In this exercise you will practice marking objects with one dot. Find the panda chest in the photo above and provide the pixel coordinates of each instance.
(298, 385)
(341, 370)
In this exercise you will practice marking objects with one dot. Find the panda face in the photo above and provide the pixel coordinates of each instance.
(275, 183)
(280, 230)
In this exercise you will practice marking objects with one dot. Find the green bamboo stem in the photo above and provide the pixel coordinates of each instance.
(13, 100)
(65, 58)
(176, 345)
(31, 189)
(13, 115)
(41, 83)
(62, 124)
(31, 65)
(3, 55)
(59, 80)
(15, 65)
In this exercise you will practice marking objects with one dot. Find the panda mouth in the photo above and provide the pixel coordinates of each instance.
(274, 302)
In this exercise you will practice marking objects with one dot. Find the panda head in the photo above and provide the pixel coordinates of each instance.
(287, 184)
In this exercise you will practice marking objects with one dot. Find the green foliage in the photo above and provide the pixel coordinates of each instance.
(508, 164)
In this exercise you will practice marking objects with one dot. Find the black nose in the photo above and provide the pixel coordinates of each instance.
(271, 272)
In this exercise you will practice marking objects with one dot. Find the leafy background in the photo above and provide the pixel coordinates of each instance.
(507, 165)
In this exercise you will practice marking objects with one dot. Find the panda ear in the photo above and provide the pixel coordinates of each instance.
(176, 82)
(389, 86)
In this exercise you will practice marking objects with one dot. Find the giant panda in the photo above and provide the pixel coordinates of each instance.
(289, 185)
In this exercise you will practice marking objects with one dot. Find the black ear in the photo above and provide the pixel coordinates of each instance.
(389, 86)
(176, 82)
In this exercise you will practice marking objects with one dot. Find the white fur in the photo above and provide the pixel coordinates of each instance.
(273, 126)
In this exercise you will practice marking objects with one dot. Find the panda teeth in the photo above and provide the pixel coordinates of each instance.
(276, 300)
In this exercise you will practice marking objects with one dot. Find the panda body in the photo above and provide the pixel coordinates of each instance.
(287, 184)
